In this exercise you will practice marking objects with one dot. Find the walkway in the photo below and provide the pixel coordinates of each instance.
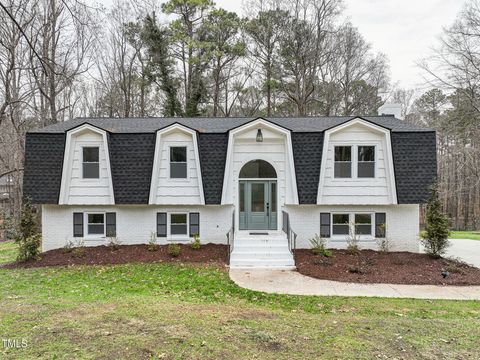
(294, 283)
(466, 250)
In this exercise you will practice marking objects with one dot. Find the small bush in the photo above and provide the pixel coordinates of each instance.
(113, 242)
(384, 244)
(435, 236)
(29, 248)
(318, 246)
(196, 245)
(27, 235)
(152, 243)
(69, 246)
(174, 250)
(352, 243)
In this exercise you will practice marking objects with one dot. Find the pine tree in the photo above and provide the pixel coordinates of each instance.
(435, 236)
(28, 236)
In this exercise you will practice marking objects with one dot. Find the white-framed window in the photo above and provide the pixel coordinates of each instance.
(366, 161)
(178, 162)
(95, 224)
(343, 162)
(90, 162)
(359, 224)
(354, 161)
(178, 225)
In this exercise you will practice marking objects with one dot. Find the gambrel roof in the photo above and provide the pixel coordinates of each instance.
(131, 144)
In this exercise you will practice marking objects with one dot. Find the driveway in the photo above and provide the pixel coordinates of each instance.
(466, 250)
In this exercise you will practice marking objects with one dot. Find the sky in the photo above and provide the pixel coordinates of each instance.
(405, 30)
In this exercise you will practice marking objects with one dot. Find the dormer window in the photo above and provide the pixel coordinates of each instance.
(366, 161)
(178, 162)
(91, 164)
(343, 162)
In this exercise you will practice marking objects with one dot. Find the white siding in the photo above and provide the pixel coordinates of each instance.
(176, 191)
(134, 223)
(402, 225)
(79, 191)
(373, 191)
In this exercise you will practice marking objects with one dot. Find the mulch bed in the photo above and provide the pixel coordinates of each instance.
(103, 255)
(368, 266)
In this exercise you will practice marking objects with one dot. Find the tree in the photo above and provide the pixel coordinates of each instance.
(221, 29)
(28, 236)
(190, 48)
(435, 236)
(265, 31)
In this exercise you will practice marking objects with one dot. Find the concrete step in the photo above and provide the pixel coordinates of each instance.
(264, 263)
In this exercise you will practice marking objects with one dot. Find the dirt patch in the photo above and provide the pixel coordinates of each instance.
(103, 255)
(368, 266)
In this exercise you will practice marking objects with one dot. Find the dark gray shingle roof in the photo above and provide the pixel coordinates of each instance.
(222, 125)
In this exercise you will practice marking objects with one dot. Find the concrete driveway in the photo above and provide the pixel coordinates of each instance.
(466, 250)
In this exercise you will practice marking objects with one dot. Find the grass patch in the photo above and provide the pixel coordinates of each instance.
(471, 235)
(8, 252)
(175, 311)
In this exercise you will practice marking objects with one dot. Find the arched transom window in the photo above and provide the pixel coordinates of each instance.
(258, 169)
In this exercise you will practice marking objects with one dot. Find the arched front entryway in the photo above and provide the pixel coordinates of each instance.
(258, 194)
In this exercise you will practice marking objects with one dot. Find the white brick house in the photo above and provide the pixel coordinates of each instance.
(265, 182)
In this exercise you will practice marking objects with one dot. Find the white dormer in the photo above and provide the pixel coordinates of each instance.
(86, 175)
(176, 174)
(357, 165)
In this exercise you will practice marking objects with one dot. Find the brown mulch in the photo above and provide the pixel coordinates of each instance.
(103, 255)
(368, 266)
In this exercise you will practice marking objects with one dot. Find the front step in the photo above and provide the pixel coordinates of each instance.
(261, 251)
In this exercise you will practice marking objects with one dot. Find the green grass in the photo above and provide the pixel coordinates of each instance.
(174, 311)
(8, 251)
(472, 235)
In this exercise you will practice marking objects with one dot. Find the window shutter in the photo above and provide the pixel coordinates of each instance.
(162, 224)
(380, 225)
(77, 224)
(111, 224)
(194, 224)
(325, 225)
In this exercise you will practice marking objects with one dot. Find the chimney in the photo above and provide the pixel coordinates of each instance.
(391, 109)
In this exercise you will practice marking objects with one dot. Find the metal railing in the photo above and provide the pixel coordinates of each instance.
(231, 236)
(291, 235)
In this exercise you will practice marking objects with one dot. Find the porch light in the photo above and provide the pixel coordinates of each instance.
(259, 135)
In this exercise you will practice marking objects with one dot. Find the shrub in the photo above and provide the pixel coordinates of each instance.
(76, 247)
(174, 250)
(196, 245)
(69, 246)
(352, 242)
(27, 235)
(29, 248)
(384, 244)
(113, 242)
(318, 246)
(152, 243)
(435, 236)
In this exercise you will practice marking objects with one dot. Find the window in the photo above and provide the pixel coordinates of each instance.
(340, 224)
(258, 169)
(178, 162)
(363, 224)
(366, 161)
(343, 162)
(91, 164)
(178, 224)
(96, 224)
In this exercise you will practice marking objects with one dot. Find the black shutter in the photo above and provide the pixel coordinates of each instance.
(325, 225)
(380, 225)
(111, 224)
(78, 224)
(161, 224)
(194, 224)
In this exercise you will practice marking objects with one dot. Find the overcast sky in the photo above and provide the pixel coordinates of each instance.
(404, 30)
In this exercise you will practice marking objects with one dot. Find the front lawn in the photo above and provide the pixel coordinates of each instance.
(180, 311)
(8, 251)
(471, 235)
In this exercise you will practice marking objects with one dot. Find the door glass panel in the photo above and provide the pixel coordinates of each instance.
(242, 197)
(274, 196)
(258, 197)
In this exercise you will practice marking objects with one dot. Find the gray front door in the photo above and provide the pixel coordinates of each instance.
(258, 204)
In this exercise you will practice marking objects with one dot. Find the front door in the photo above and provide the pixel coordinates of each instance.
(258, 204)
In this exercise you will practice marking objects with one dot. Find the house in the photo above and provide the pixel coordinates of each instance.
(264, 185)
